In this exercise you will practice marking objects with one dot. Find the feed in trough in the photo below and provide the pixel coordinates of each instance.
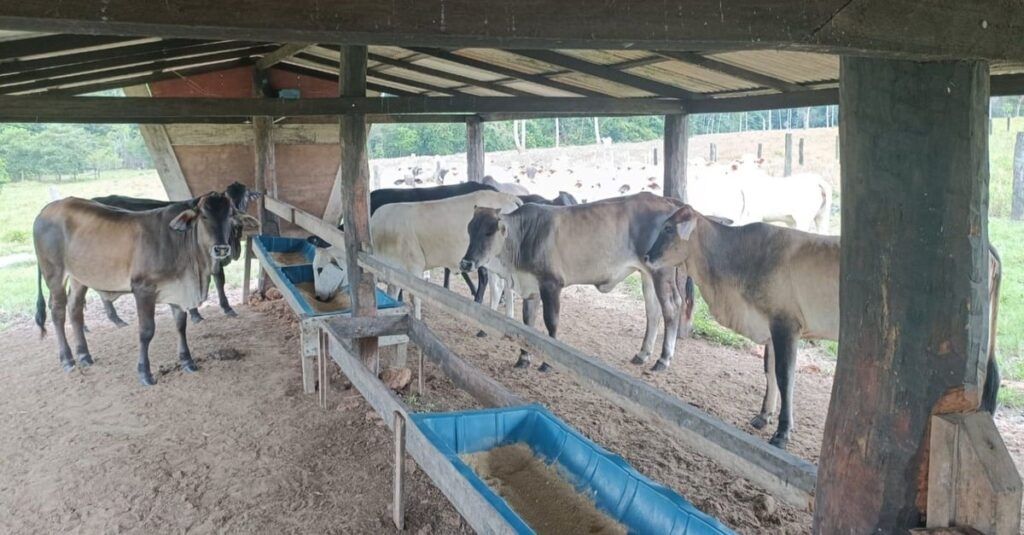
(538, 493)
(289, 258)
(340, 301)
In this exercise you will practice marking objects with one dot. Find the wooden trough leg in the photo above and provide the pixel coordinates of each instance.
(247, 269)
(310, 341)
(419, 373)
(323, 356)
(398, 507)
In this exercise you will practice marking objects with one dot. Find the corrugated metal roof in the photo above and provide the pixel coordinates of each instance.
(691, 77)
(796, 67)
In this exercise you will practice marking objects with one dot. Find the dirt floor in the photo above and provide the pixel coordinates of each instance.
(239, 448)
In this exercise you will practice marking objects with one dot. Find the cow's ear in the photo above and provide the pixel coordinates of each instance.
(253, 195)
(502, 228)
(181, 222)
(247, 222)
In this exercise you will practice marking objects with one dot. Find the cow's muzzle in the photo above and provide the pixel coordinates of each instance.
(220, 252)
(465, 265)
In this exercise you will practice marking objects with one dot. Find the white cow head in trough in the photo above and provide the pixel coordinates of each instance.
(330, 272)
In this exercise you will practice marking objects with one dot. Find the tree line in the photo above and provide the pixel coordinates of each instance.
(65, 151)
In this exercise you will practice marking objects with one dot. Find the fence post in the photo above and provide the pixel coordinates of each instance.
(712, 152)
(787, 168)
(800, 158)
(1017, 209)
(837, 147)
(758, 151)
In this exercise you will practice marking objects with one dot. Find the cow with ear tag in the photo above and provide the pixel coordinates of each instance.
(773, 285)
(165, 255)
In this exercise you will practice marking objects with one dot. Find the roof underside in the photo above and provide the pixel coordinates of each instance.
(66, 64)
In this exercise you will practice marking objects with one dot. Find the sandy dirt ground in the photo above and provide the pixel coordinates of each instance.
(238, 448)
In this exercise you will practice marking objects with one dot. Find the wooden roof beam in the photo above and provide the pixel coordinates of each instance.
(332, 66)
(947, 29)
(19, 65)
(161, 54)
(133, 69)
(605, 72)
(59, 44)
(448, 76)
(277, 56)
(539, 79)
(731, 70)
(105, 85)
(183, 110)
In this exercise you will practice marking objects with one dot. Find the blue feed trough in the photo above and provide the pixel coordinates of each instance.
(641, 505)
(297, 275)
(301, 251)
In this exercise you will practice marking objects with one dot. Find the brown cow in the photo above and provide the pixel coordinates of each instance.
(160, 256)
(775, 286)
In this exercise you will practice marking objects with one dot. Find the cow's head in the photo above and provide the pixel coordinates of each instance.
(565, 199)
(212, 218)
(240, 195)
(671, 246)
(330, 274)
(487, 234)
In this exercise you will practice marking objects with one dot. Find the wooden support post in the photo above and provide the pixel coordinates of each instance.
(309, 340)
(676, 138)
(475, 171)
(355, 194)
(837, 148)
(398, 507)
(787, 166)
(759, 149)
(914, 289)
(247, 270)
(266, 180)
(800, 152)
(712, 152)
(323, 357)
(1017, 209)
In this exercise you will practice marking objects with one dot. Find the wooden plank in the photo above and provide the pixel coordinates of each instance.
(280, 54)
(398, 502)
(59, 44)
(608, 73)
(783, 474)
(20, 66)
(676, 139)
(381, 398)
(731, 70)
(800, 99)
(188, 109)
(948, 29)
(361, 327)
(539, 79)
(125, 57)
(408, 65)
(177, 63)
(904, 237)
(482, 387)
(475, 167)
(972, 479)
(162, 153)
(265, 165)
(355, 192)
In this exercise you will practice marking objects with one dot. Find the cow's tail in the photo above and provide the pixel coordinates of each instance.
(990, 391)
(40, 303)
(821, 219)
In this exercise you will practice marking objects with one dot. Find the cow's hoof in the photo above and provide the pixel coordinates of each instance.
(780, 440)
(85, 360)
(522, 363)
(196, 318)
(481, 334)
(146, 379)
(85, 328)
(544, 367)
(229, 312)
(120, 322)
(189, 366)
(659, 366)
(639, 359)
(760, 421)
(67, 365)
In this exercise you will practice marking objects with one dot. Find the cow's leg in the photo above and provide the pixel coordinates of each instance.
(784, 341)
(529, 311)
(510, 301)
(58, 311)
(145, 303)
(108, 307)
(771, 390)
(218, 280)
(671, 303)
(76, 304)
(184, 355)
(653, 316)
(469, 282)
(685, 285)
(551, 298)
(447, 277)
(195, 315)
(483, 276)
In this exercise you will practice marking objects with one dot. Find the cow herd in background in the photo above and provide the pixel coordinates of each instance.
(773, 284)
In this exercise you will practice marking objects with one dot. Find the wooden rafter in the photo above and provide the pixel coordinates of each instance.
(605, 72)
(133, 69)
(731, 70)
(949, 29)
(284, 52)
(115, 83)
(53, 44)
(539, 79)
(18, 65)
(162, 54)
(409, 66)
(380, 78)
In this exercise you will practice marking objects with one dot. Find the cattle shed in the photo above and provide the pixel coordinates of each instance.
(213, 86)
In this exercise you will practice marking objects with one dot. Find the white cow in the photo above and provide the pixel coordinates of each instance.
(419, 236)
(505, 187)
